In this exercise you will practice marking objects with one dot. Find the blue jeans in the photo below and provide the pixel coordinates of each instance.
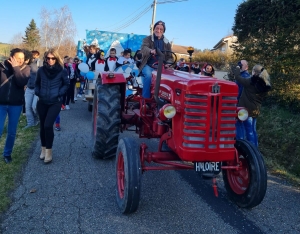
(13, 113)
(30, 105)
(147, 72)
(82, 84)
(247, 130)
(57, 120)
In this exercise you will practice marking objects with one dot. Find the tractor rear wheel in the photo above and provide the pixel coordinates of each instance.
(128, 176)
(106, 120)
(246, 187)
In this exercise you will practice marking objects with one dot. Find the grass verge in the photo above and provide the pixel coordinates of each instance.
(279, 141)
(9, 172)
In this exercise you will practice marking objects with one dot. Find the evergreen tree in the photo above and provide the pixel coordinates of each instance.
(268, 32)
(32, 36)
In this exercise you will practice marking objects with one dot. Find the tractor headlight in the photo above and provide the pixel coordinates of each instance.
(168, 111)
(242, 114)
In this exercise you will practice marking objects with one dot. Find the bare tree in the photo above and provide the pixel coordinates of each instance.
(17, 40)
(44, 30)
(57, 27)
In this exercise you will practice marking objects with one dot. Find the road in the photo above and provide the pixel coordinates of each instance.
(76, 194)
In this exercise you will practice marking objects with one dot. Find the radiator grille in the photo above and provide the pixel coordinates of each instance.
(209, 121)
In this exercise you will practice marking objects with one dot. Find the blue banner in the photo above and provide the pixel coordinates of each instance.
(106, 40)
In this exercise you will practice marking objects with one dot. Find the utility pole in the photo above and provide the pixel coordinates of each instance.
(153, 17)
(154, 10)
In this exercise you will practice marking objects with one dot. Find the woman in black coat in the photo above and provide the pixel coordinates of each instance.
(14, 75)
(52, 82)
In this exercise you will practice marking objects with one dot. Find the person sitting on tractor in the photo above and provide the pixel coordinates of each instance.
(208, 70)
(125, 59)
(181, 66)
(196, 68)
(150, 57)
(110, 62)
(91, 58)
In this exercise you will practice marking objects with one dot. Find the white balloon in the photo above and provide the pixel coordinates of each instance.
(83, 67)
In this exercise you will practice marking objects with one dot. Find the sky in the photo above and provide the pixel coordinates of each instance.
(198, 23)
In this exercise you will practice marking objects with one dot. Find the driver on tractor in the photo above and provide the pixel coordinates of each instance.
(150, 57)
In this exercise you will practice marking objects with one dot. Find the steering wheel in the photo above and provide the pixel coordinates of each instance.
(174, 55)
(154, 65)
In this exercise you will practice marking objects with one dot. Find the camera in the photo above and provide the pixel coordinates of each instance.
(240, 64)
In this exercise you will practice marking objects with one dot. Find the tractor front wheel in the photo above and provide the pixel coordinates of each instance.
(128, 176)
(246, 186)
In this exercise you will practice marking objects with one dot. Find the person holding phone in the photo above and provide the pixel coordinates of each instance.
(52, 82)
(14, 75)
(243, 64)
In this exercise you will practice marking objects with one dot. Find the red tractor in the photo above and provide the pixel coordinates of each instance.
(194, 119)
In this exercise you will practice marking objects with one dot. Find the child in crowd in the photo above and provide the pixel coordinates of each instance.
(81, 87)
(91, 58)
(125, 59)
(208, 70)
(181, 65)
(196, 68)
(100, 63)
(138, 58)
(66, 66)
(72, 77)
(57, 123)
(110, 62)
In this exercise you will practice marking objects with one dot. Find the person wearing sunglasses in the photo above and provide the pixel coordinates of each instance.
(51, 84)
(148, 51)
(14, 75)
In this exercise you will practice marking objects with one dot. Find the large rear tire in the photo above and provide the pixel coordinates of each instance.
(106, 120)
(128, 176)
(246, 187)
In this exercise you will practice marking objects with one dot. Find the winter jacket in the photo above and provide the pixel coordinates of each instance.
(148, 44)
(184, 68)
(243, 74)
(91, 59)
(12, 92)
(50, 89)
(110, 63)
(251, 98)
(36, 63)
(196, 69)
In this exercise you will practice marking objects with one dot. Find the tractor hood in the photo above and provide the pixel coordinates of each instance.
(175, 83)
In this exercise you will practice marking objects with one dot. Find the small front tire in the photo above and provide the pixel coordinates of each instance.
(128, 176)
(247, 186)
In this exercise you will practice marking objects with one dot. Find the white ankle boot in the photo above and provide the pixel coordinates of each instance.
(48, 156)
(42, 156)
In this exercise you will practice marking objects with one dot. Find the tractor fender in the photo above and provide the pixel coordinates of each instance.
(112, 78)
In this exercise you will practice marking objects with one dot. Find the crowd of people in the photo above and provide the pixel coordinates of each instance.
(48, 85)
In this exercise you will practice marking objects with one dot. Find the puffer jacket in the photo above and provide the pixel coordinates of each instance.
(12, 92)
(50, 90)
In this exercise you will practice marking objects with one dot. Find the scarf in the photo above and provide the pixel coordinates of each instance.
(159, 43)
(52, 71)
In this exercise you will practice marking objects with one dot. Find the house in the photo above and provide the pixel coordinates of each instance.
(180, 51)
(225, 43)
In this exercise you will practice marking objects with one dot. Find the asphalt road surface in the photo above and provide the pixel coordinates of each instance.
(76, 194)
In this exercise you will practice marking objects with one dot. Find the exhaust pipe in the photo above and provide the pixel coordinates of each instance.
(158, 76)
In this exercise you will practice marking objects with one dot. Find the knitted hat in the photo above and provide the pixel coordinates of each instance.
(160, 23)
